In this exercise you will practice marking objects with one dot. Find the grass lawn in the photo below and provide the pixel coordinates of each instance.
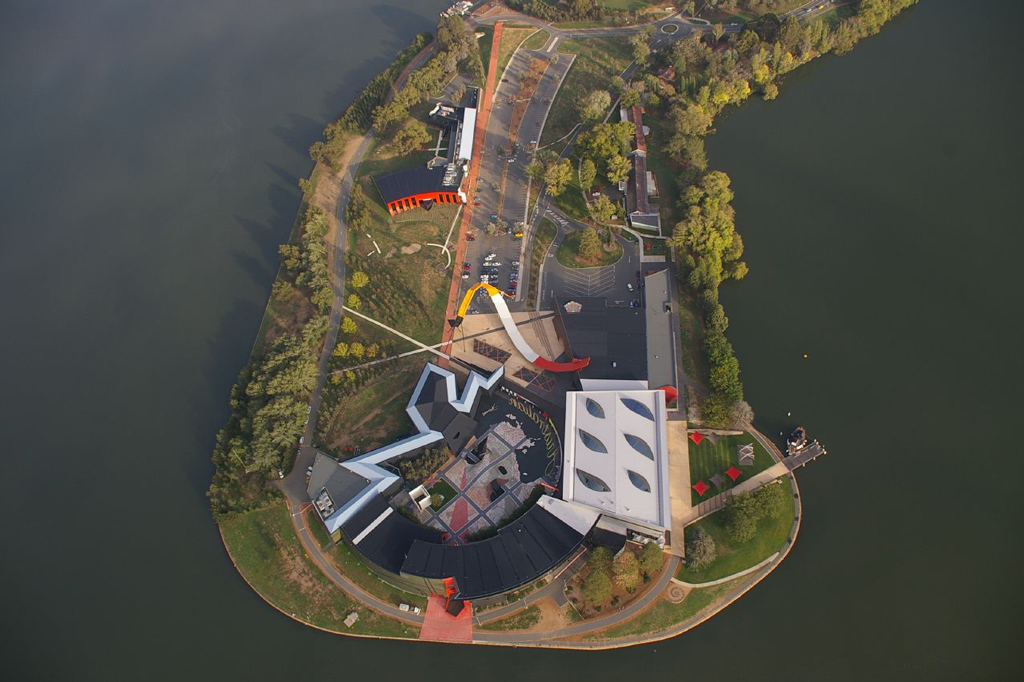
(597, 61)
(511, 39)
(485, 41)
(655, 247)
(445, 490)
(349, 563)
(691, 332)
(665, 614)
(268, 554)
(568, 253)
(771, 537)
(523, 620)
(373, 415)
(708, 459)
(541, 243)
(537, 40)
(833, 16)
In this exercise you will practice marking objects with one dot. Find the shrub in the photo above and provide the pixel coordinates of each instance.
(700, 548)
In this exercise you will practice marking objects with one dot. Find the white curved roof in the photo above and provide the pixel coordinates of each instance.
(616, 454)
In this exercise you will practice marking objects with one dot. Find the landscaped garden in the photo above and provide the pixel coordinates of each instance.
(743, 535)
(441, 493)
(576, 252)
(709, 459)
(538, 252)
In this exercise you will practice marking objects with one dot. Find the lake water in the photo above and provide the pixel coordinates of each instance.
(150, 152)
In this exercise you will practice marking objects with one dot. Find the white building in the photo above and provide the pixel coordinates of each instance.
(616, 457)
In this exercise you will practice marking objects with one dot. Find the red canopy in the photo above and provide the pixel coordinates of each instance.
(701, 487)
(733, 473)
(696, 437)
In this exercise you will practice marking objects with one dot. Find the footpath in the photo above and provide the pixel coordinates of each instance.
(483, 114)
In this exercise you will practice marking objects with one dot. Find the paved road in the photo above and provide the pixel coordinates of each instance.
(585, 627)
(612, 281)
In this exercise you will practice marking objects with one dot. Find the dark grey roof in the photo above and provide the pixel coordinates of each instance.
(415, 180)
(520, 553)
(388, 543)
(613, 337)
(342, 484)
(661, 332)
(435, 406)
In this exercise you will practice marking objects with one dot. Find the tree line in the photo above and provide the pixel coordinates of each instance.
(457, 49)
(269, 406)
(357, 117)
(712, 71)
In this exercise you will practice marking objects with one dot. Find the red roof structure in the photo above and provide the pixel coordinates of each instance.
(701, 487)
(696, 437)
(733, 473)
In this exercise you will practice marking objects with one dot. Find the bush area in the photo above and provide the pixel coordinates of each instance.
(608, 581)
(511, 38)
(422, 465)
(268, 554)
(582, 13)
(764, 519)
(524, 620)
(579, 250)
(364, 409)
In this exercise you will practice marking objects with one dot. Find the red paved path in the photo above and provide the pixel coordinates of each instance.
(483, 114)
(441, 627)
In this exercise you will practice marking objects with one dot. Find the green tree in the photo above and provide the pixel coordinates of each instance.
(353, 302)
(651, 558)
(341, 350)
(357, 213)
(411, 136)
(372, 350)
(359, 279)
(741, 516)
(558, 176)
(602, 209)
(630, 97)
(590, 244)
(700, 548)
(600, 559)
(356, 349)
(588, 173)
(772, 500)
(348, 325)
(717, 31)
(596, 587)
(595, 105)
(618, 168)
(626, 570)
(641, 50)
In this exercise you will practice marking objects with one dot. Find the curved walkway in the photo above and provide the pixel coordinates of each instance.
(728, 578)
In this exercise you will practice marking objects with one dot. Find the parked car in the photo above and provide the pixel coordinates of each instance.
(470, 237)
(465, 275)
(629, 286)
(515, 262)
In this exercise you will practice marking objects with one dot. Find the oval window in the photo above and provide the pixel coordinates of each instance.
(592, 442)
(638, 407)
(592, 482)
(639, 481)
(640, 445)
(594, 408)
